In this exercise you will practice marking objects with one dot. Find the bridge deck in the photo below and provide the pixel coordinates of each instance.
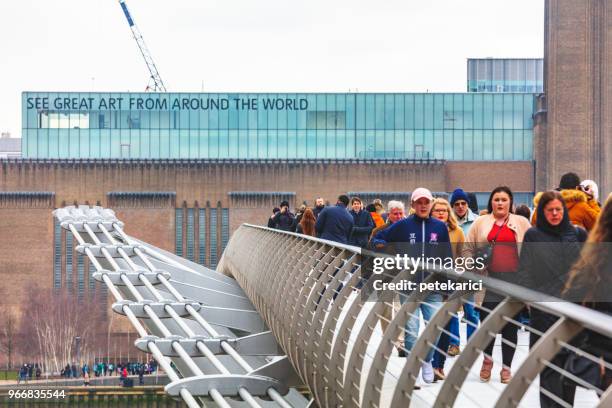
(474, 393)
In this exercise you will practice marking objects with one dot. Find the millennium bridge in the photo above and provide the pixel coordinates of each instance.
(284, 321)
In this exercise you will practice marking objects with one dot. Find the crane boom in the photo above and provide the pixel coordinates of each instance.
(155, 82)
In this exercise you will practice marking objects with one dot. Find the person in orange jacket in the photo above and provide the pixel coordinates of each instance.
(376, 217)
(580, 201)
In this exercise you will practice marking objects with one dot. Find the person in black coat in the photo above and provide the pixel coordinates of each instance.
(275, 211)
(550, 248)
(334, 222)
(319, 206)
(141, 373)
(362, 224)
(589, 285)
(548, 253)
(284, 220)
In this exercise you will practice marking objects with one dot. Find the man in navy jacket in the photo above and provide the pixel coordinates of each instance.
(363, 224)
(419, 236)
(335, 223)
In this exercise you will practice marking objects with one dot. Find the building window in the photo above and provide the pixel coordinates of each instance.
(224, 228)
(213, 238)
(419, 151)
(57, 254)
(210, 242)
(102, 121)
(179, 231)
(133, 121)
(63, 120)
(326, 120)
(77, 272)
(190, 232)
(80, 276)
(69, 274)
(92, 281)
(202, 236)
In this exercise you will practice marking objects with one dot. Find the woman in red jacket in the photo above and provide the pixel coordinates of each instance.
(124, 373)
(503, 231)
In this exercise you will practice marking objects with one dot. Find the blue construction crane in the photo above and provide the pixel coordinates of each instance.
(155, 82)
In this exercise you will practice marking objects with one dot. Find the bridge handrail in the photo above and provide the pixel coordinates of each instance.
(589, 318)
(304, 286)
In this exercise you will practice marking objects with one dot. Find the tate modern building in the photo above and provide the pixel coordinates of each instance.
(184, 170)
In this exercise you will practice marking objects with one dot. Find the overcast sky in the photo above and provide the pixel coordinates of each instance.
(256, 45)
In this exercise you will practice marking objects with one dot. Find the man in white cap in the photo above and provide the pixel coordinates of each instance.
(419, 236)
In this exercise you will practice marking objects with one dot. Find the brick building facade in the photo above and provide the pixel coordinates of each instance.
(189, 207)
(576, 129)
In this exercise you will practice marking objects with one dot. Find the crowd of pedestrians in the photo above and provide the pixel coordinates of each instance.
(542, 249)
(133, 368)
(29, 371)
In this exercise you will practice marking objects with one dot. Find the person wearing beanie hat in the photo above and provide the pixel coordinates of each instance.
(458, 194)
(459, 201)
(569, 181)
(465, 217)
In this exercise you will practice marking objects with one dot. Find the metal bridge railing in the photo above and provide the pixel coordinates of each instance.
(308, 291)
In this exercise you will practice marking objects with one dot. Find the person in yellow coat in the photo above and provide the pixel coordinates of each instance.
(443, 211)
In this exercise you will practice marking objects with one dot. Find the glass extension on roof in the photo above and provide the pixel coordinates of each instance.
(448, 126)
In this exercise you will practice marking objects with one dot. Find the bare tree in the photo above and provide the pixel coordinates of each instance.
(8, 331)
(52, 321)
(7, 338)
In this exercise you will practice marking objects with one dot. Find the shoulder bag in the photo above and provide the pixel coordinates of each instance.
(486, 252)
